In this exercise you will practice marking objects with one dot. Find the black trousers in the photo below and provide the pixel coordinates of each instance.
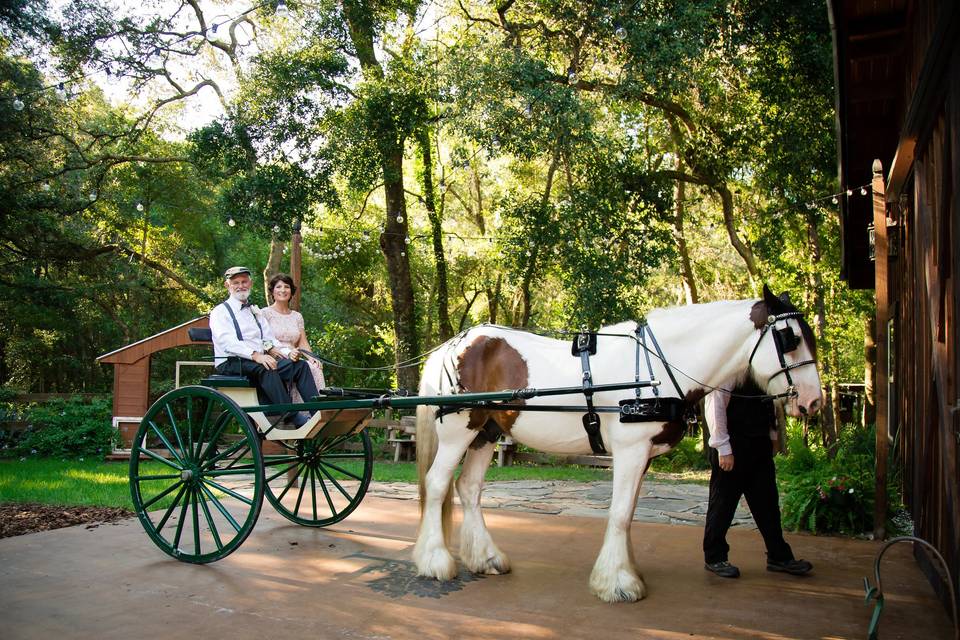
(754, 477)
(272, 383)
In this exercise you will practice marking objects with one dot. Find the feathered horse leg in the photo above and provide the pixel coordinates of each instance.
(477, 550)
(614, 577)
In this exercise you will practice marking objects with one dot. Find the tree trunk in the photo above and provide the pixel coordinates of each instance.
(827, 414)
(493, 299)
(444, 327)
(272, 267)
(394, 248)
(535, 252)
(360, 23)
(689, 283)
(869, 370)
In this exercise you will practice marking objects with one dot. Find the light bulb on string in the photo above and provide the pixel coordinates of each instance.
(45, 186)
(93, 196)
(282, 10)
(834, 200)
(139, 206)
(621, 34)
(528, 111)
(232, 222)
(863, 191)
(572, 77)
(406, 239)
(18, 104)
(61, 91)
(849, 192)
(276, 228)
(403, 254)
(399, 219)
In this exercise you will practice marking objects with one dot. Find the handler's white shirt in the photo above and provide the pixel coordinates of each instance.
(225, 341)
(715, 412)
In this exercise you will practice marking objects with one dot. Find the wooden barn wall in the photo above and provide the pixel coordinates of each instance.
(924, 289)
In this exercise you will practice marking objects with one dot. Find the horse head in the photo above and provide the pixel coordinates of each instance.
(783, 360)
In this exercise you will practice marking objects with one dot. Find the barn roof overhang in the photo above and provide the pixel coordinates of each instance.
(175, 336)
(869, 47)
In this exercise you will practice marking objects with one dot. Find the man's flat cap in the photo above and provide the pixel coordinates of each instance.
(235, 271)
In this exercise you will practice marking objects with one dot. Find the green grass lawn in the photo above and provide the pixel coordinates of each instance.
(99, 483)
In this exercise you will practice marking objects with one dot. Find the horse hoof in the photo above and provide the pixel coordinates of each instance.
(493, 566)
(626, 589)
(437, 564)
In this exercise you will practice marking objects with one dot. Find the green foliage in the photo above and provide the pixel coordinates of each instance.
(824, 495)
(67, 429)
(686, 456)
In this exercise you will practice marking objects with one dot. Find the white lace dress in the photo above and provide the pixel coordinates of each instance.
(287, 328)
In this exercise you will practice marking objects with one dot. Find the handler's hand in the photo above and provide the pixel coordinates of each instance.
(726, 462)
(294, 355)
(268, 362)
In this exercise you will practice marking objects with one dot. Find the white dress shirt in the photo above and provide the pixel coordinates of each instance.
(256, 332)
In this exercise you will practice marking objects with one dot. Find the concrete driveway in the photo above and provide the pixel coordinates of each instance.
(355, 580)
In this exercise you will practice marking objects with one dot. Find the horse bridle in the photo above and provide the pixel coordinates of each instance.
(785, 341)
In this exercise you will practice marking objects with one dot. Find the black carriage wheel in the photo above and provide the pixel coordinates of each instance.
(196, 474)
(322, 480)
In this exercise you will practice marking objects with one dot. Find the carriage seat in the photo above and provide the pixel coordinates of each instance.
(217, 381)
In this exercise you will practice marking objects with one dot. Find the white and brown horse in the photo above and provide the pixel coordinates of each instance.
(705, 344)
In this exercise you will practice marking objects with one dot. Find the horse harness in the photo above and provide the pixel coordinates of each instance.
(785, 341)
(639, 409)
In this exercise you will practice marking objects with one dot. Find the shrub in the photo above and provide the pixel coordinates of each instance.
(686, 456)
(824, 495)
(67, 428)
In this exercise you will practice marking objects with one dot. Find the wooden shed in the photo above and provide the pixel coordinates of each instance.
(131, 374)
(898, 105)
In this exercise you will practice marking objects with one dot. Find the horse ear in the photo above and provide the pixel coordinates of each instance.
(772, 301)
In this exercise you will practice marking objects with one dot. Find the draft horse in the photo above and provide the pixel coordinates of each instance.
(702, 346)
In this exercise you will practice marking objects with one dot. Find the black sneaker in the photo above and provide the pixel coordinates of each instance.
(723, 569)
(793, 567)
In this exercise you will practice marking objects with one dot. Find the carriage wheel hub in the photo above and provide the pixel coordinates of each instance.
(186, 475)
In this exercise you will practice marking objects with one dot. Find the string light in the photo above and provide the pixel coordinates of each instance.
(621, 34)
(399, 219)
(18, 104)
(93, 196)
(232, 222)
(45, 186)
(139, 206)
(61, 91)
(834, 198)
(282, 11)
(572, 77)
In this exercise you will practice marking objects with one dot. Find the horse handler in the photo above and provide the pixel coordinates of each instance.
(743, 431)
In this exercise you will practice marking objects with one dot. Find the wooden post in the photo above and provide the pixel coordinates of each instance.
(296, 242)
(881, 267)
(869, 371)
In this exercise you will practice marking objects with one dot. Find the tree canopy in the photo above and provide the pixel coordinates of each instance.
(537, 163)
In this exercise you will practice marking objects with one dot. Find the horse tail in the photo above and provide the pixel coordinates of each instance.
(427, 445)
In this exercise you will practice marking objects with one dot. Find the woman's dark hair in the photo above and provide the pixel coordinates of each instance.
(281, 277)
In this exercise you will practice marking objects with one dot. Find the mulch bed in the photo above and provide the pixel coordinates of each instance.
(17, 519)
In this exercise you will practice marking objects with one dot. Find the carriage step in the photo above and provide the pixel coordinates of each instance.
(226, 381)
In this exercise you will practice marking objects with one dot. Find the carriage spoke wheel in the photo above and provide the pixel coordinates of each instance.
(196, 474)
(322, 480)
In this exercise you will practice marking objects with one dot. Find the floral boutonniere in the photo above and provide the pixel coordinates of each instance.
(255, 310)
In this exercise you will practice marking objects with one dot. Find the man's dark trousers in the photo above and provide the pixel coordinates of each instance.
(754, 477)
(272, 382)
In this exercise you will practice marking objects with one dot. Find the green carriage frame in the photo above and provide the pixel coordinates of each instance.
(198, 472)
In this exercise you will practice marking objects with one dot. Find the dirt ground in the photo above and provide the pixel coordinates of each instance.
(355, 580)
(31, 517)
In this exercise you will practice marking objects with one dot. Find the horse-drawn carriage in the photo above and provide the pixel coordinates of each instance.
(199, 475)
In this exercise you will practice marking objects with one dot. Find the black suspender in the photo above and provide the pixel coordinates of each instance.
(236, 325)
